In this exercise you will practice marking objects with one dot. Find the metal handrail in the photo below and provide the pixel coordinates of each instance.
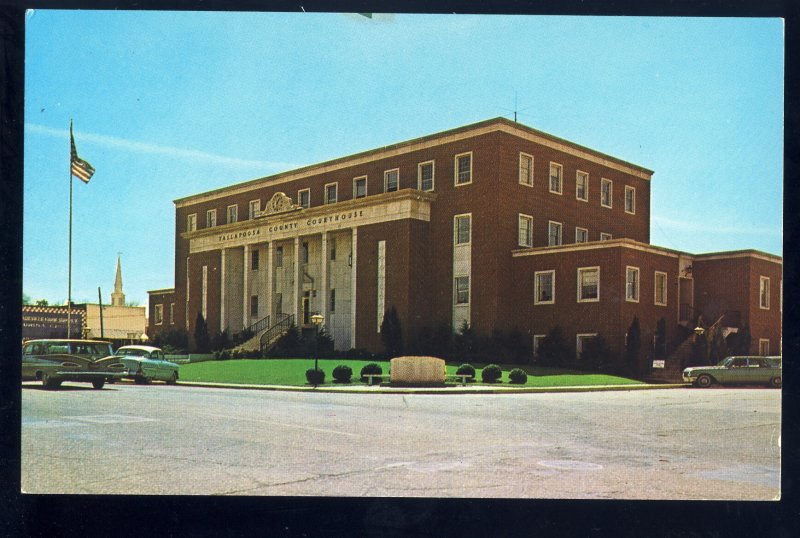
(259, 325)
(284, 321)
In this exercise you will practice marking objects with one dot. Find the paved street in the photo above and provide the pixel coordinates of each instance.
(158, 439)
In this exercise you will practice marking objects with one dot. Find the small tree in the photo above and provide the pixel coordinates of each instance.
(465, 345)
(718, 349)
(633, 345)
(553, 349)
(391, 333)
(221, 341)
(739, 342)
(596, 355)
(660, 343)
(288, 344)
(201, 339)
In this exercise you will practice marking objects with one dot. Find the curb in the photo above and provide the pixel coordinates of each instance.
(482, 389)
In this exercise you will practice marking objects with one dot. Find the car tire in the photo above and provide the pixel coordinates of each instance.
(704, 381)
(98, 383)
(776, 382)
(173, 379)
(49, 383)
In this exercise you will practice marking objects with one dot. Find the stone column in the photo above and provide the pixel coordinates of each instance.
(222, 286)
(270, 270)
(353, 288)
(298, 282)
(245, 294)
(323, 302)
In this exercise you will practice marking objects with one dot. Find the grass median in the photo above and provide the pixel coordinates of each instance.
(292, 372)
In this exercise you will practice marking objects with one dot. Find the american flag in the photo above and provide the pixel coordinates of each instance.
(80, 168)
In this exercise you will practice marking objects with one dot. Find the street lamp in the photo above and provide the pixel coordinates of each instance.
(317, 320)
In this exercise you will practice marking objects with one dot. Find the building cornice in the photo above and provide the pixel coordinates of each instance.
(162, 291)
(735, 254)
(454, 135)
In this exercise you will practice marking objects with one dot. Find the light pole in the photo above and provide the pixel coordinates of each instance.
(317, 320)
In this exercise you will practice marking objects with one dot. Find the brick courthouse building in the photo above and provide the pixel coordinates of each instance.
(494, 224)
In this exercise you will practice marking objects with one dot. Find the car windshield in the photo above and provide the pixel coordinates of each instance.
(133, 352)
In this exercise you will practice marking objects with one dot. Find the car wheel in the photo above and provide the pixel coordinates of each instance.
(173, 378)
(704, 381)
(48, 382)
(776, 382)
(98, 383)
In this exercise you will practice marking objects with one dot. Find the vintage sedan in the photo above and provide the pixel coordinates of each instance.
(147, 363)
(54, 361)
(737, 371)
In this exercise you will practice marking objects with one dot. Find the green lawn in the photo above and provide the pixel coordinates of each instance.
(292, 372)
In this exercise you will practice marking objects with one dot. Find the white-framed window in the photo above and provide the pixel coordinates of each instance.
(763, 292)
(211, 218)
(463, 168)
(159, 314)
(525, 169)
(278, 256)
(425, 176)
(462, 229)
(606, 192)
(553, 233)
(605, 236)
(630, 199)
(556, 178)
(254, 259)
(304, 198)
(172, 313)
(461, 290)
(581, 235)
(359, 187)
(544, 287)
(255, 208)
(391, 180)
(660, 291)
(254, 306)
(191, 222)
(582, 186)
(588, 284)
(332, 301)
(525, 234)
(763, 347)
(632, 284)
(331, 193)
(233, 213)
(581, 340)
(537, 341)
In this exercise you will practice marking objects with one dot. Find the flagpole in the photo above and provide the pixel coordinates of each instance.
(69, 271)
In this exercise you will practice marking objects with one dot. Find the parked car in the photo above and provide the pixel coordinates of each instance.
(737, 371)
(147, 363)
(55, 361)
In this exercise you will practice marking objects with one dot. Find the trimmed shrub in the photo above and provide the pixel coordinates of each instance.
(491, 373)
(370, 368)
(222, 355)
(466, 369)
(518, 376)
(315, 377)
(342, 373)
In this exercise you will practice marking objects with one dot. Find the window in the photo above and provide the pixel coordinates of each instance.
(581, 235)
(763, 347)
(554, 233)
(526, 169)
(391, 180)
(462, 229)
(211, 218)
(462, 290)
(763, 292)
(632, 284)
(279, 303)
(525, 237)
(463, 168)
(582, 186)
(332, 248)
(304, 252)
(605, 236)
(333, 300)
(581, 340)
(233, 213)
(660, 289)
(606, 191)
(191, 222)
(254, 260)
(330, 193)
(556, 175)
(425, 176)
(630, 200)
(254, 306)
(588, 284)
(279, 257)
(159, 314)
(255, 208)
(544, 287)
(359, 187)
(304, 198)
(172, 313)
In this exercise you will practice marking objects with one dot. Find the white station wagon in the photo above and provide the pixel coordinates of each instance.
(147, 363)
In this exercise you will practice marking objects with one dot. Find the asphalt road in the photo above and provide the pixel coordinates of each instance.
(159, 439)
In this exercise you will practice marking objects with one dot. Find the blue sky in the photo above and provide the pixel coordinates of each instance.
(167, 105)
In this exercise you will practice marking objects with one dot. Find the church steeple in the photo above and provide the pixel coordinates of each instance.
(117, 297)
